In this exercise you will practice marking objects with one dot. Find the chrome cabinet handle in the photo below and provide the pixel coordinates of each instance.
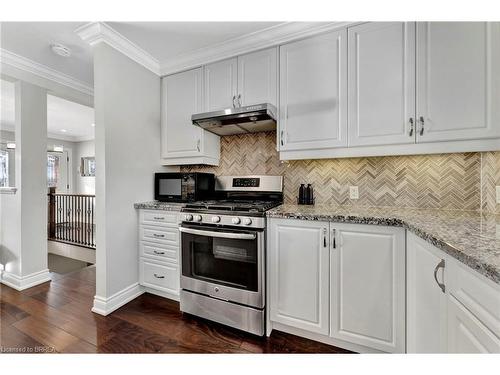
(423, 124)
(198, 145)
(439, 265)
(239, 100)
(158, 252)
(158, 235)
(158, 276)
(412, 126)
(159, 218)
(334, 240)
(324, 237)
(234, 98)
(281, 138)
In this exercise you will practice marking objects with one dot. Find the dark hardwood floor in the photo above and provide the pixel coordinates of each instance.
(56, 317)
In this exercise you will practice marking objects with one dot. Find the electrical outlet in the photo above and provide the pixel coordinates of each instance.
(353, 192)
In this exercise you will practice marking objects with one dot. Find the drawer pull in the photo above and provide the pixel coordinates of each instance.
(158, 276)
(158, 235)
(159, 218)
(158, 252)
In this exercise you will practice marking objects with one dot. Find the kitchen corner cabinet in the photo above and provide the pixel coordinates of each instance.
(313, 93)
(367, 286)
(244, 80)
(341, 281)
(450, 307)
(458, 84)
(298, 261)
(181, 141)
(381, 83)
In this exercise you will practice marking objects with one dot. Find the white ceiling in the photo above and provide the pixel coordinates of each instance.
(75, 119)
(162, 40)
(32, 40)
(166, 40)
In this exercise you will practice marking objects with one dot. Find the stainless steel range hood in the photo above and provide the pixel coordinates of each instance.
(249, 119)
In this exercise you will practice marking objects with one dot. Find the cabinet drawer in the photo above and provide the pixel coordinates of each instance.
(480, 296)
(164, 277)
(161, 252)
(155, 217)
(167, 236)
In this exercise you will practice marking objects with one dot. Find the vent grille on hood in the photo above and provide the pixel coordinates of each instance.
(249, 119)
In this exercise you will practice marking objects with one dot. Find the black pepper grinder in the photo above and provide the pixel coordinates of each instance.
(309, 195)
(302, 194)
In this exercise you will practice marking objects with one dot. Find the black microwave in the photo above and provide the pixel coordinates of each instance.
(184, 187)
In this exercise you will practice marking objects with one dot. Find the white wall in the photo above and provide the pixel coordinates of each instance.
(23, 227)
(84, 185)
(127, 145)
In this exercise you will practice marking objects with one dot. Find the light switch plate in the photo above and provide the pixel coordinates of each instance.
(498, 194)
(353, 192)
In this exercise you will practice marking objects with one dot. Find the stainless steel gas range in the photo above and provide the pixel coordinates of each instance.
(223, 245)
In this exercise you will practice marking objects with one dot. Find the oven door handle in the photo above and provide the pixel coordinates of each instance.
(236, 236)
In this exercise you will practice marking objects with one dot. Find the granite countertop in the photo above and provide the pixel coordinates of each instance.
(157, 205)
(471, 237)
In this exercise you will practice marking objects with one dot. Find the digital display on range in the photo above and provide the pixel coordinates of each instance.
(246, 182)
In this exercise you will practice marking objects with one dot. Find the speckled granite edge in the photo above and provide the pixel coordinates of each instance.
(155, 205)
(480, 265)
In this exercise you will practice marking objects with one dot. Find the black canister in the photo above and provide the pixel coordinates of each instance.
(309, 194)
(302, 194)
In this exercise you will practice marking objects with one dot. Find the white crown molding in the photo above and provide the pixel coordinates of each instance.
(17, 61)
(96, 32)
(272, 36)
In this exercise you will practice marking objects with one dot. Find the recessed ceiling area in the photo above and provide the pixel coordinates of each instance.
(167, 40)
(66, 120)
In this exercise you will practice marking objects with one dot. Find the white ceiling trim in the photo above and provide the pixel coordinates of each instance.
(25, 64)
(96, 32)
(272, 36)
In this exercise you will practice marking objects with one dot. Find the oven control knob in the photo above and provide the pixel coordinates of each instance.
(247, 221)
(235, 220)
(188, 217)
(215, 219)
(197, 217)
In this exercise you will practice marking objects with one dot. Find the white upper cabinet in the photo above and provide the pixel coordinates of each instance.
(381, 83)
(313, 93)
(258, 77)
(458, 84)
(426, 300)
(367, 286)
(181, 141)
(221, 82)
(298, 271)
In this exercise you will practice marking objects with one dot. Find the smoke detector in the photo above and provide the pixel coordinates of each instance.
(60, 50)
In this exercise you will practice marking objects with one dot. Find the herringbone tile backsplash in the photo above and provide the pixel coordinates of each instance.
(448, 181)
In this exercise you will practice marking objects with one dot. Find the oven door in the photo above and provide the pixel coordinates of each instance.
(223, 263)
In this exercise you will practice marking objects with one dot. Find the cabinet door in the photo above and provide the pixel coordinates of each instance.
(258, 77)
(181, 97)
(220, 85)
(466, 334)
(298, 260)
(458, 90)
(426, 302)
(367, 286)
(313, 93)
(381, 83)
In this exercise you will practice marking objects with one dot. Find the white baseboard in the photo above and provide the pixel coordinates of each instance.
(24, 282)
(172, 296)
(105, 306)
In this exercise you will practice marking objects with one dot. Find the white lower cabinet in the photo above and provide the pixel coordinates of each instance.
(367, 286)
(159, 252)
(342, 281)
(426, 301)
(450, 307)
(298, 261)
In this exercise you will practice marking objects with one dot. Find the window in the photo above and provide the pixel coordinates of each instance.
(4, 168)
(52, 170)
